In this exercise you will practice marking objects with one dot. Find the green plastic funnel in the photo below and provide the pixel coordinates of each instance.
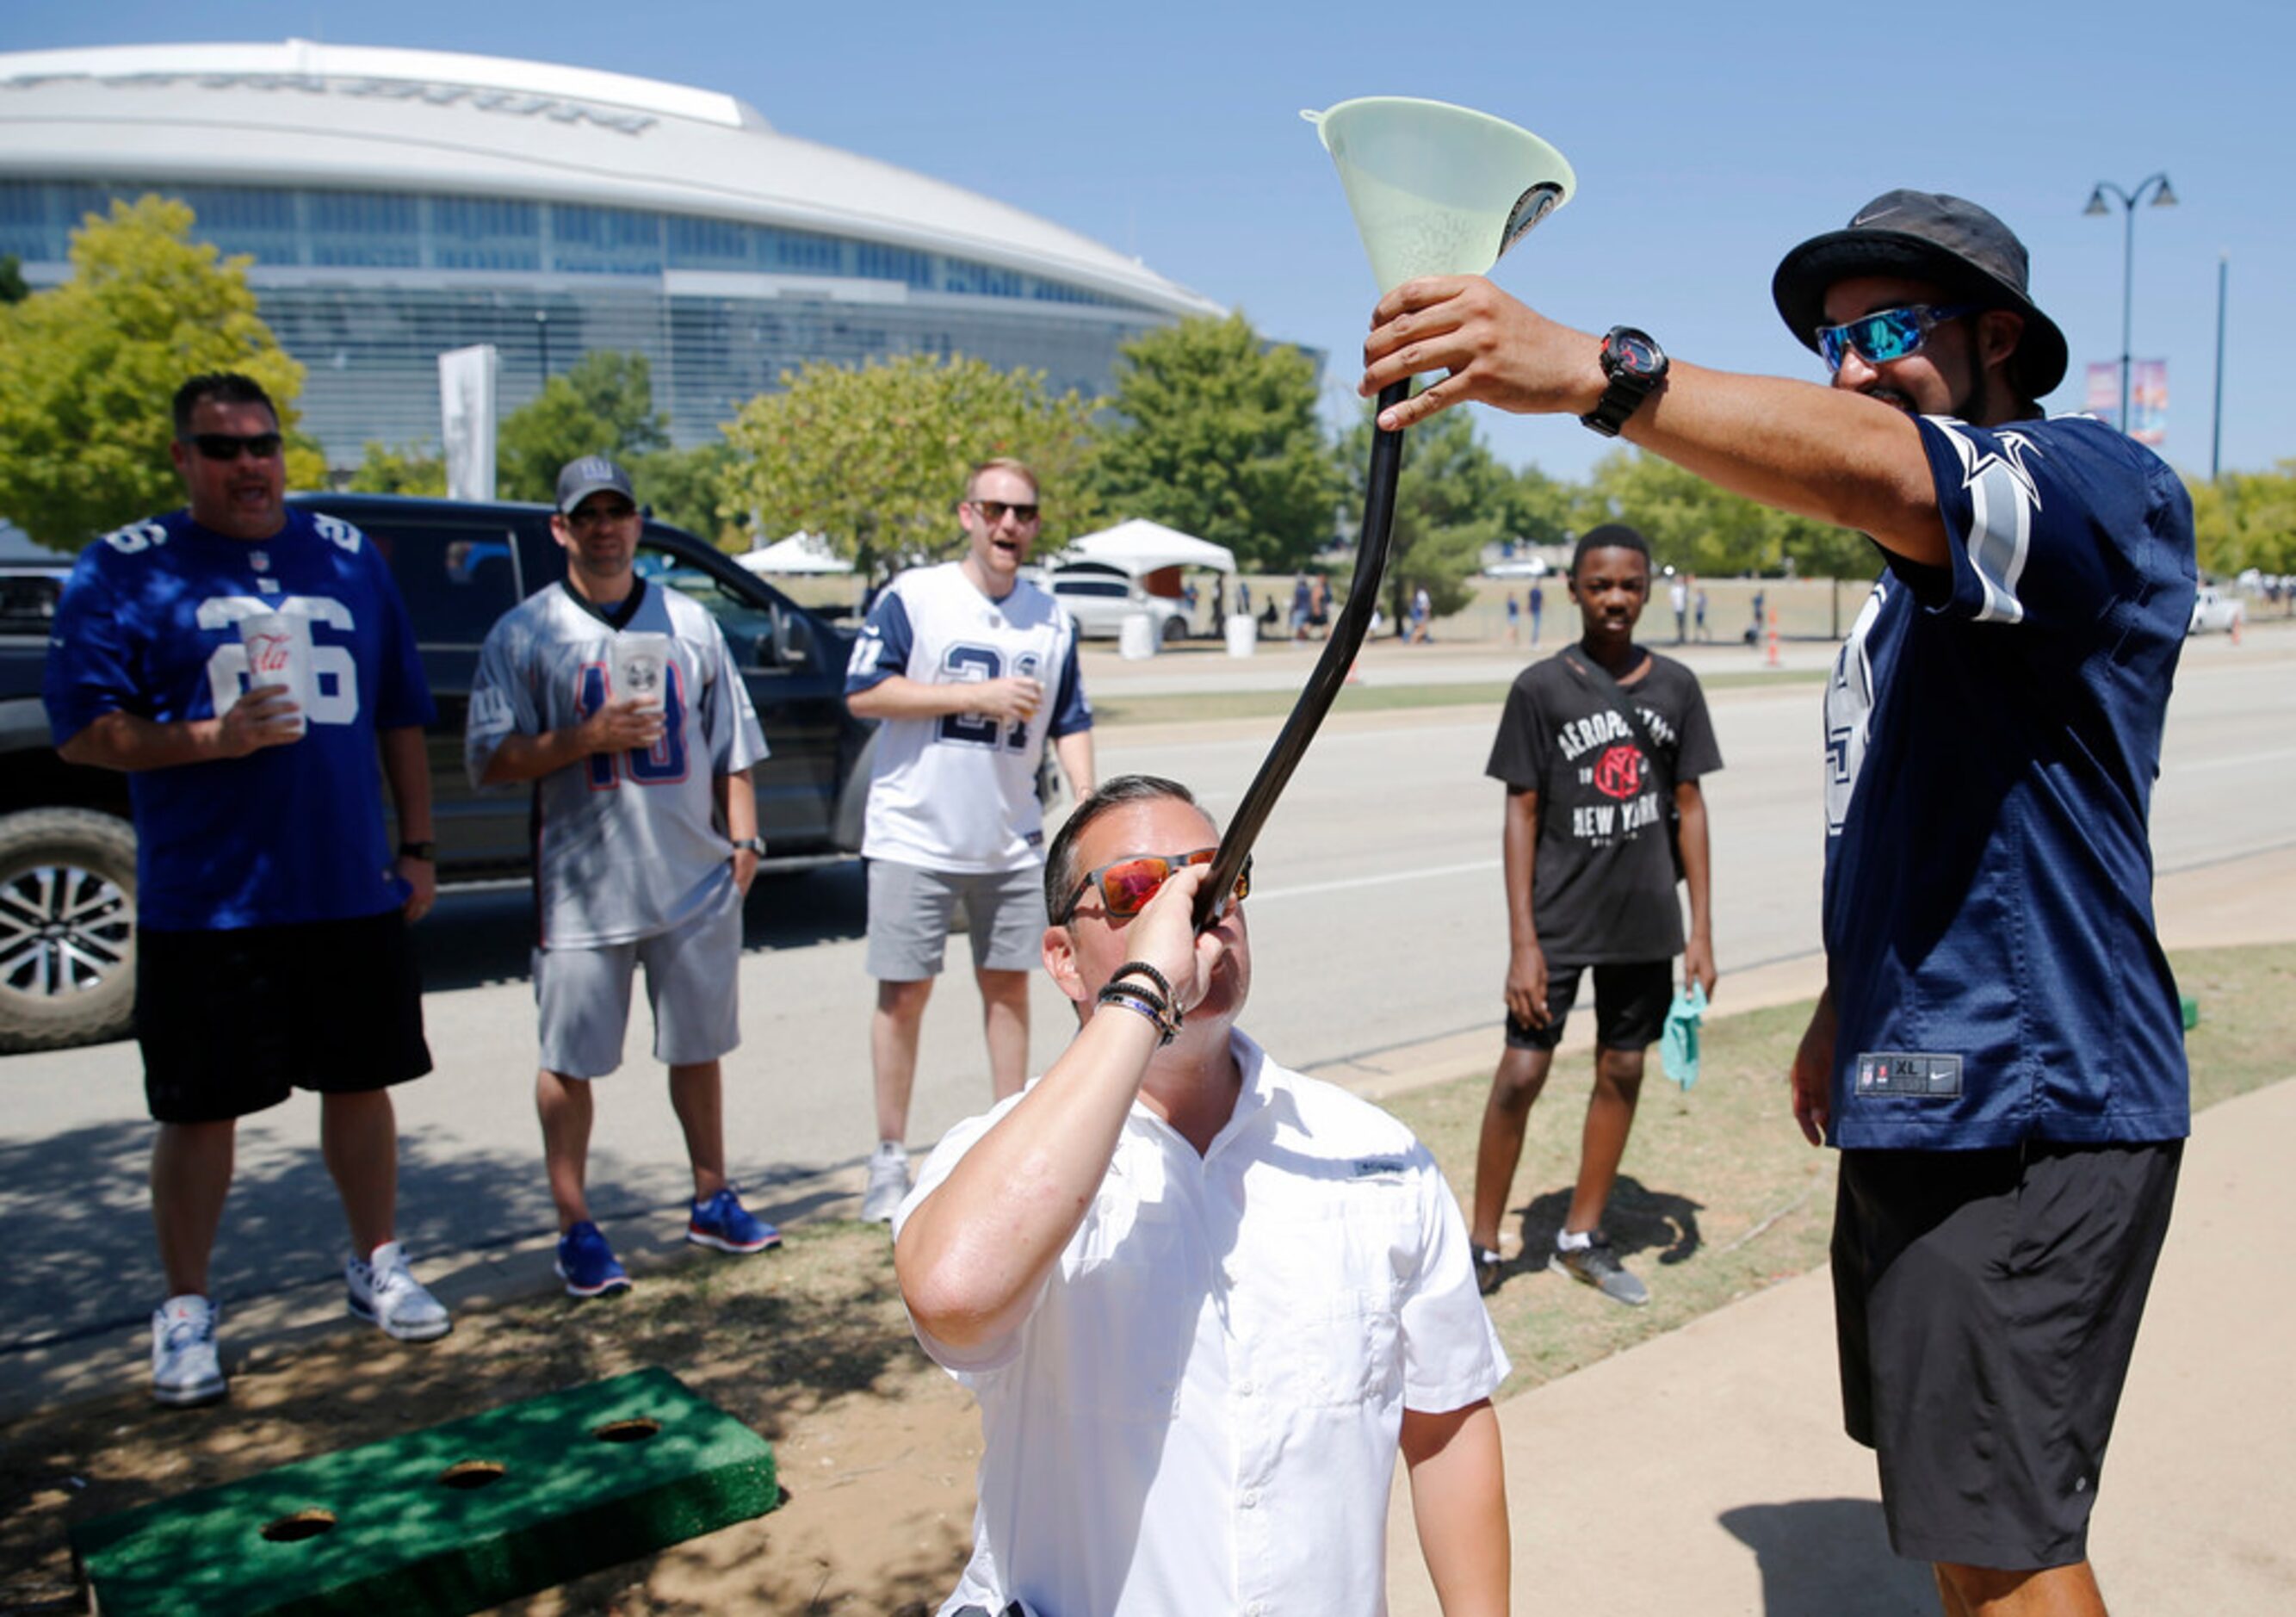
(1438, 190)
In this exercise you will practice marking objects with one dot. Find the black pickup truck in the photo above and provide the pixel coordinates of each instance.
(68, 851)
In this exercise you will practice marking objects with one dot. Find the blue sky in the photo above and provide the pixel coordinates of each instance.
(1707, 139)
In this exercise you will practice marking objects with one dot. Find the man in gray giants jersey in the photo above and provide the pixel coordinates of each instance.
(620, 701)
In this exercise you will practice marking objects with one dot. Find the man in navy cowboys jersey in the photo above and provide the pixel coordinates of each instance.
(1998, 1052)
(973, 671)
(271, 950)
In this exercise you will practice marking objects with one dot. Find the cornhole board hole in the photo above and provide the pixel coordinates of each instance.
(452, 1519)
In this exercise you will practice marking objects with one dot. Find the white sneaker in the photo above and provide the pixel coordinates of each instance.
(185, 1368)
(385, 1290)
(888, 1183)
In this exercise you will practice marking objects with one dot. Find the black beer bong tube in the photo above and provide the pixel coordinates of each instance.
(1331, 672)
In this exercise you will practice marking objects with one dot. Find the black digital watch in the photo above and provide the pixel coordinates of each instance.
(1636, 367)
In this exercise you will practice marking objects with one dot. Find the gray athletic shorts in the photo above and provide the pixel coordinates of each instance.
(910, 910)
(692, 976)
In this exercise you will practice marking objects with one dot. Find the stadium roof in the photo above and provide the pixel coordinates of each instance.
(355, 117)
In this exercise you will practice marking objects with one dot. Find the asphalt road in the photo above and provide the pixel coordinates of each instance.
(1378, 926)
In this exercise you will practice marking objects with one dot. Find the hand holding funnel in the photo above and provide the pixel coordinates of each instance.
(1437, 190)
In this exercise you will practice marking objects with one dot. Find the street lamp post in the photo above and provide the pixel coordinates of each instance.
(2162, 197)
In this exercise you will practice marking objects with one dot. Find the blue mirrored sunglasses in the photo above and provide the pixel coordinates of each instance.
(1886, 333)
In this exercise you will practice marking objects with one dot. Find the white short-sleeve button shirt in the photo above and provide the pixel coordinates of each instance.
(1200, 1414)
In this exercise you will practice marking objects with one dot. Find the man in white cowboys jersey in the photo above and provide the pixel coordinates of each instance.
(271, 909)
(973, 669)
(620, 701)
(1998, 1052)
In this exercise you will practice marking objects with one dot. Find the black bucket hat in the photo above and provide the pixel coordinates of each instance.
(1931, 237)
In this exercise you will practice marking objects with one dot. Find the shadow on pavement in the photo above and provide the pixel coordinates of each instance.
(1822, 1557)
(472, 939)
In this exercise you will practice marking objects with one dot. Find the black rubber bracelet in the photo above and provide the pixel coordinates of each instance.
(1141, 968)
(418, 851)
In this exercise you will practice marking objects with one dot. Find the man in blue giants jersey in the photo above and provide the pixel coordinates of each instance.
(620, 701)
(1998, 1052)
(973, 671)
(271, 909)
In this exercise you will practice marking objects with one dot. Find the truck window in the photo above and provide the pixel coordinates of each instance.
(747, 622)
(457, 580)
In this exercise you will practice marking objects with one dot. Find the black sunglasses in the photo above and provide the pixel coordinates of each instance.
(231, 446)
(992, 512)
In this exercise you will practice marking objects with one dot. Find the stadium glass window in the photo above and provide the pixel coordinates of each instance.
(24, 227)
(876, 262)
(981, 280)
(709, 243)
(363, 228)
(800, 251)
(482, 233)
(604, 240)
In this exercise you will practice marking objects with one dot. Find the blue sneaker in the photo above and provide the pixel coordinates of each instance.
(586, 1263)
(722, 1222)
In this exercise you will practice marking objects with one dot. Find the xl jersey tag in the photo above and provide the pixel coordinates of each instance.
(1909, 1072)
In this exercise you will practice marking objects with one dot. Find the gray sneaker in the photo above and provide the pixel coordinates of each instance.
(1593, 1264)
(888, 1183)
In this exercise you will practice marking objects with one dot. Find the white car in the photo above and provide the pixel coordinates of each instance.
(1101, 599)
(2215, 611)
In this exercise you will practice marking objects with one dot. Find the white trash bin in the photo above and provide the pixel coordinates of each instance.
(1137, 640)
(1243, 633)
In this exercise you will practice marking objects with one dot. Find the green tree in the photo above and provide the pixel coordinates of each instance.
(601, 405)
(2247, 519)
(1698, 528)
(875, 457)
(12, 289)
(1452, 498)
(383, 470)
(1218, 436)
(93, 364)
(1539, 509)
(685, 489)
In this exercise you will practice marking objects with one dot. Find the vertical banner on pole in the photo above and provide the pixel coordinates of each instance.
(467, 408)
(2148, 401)
(2104, 393)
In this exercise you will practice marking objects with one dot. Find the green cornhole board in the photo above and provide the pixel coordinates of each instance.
(452, 1519)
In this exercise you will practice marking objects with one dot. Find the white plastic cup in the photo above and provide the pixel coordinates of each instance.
(641, 669)
(279, 652)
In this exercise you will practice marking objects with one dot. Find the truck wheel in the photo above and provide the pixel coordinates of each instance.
(67, 929)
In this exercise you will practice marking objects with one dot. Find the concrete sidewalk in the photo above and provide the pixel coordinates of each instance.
(1706, 1471)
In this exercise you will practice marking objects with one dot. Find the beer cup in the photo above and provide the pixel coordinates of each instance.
(279, 652)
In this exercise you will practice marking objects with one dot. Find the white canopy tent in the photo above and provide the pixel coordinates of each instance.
(1139, 546)
(808, 553)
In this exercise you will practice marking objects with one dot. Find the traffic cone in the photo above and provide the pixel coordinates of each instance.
(1773, 657)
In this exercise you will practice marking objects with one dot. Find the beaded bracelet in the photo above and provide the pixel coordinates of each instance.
(1147, 1004)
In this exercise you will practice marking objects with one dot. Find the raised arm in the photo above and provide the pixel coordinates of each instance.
(975, 1253)
(1816, 452)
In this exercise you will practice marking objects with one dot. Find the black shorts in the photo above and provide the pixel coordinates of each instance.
(1631, 1000)
(1985, 1303)
(230, 1022)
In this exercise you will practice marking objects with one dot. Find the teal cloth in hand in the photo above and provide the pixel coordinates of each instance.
(1678, 1044)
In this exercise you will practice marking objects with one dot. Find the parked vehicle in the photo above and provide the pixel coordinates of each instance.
(1101, 597)
(2216, 612)
(68, 849)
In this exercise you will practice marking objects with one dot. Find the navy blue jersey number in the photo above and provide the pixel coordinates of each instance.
(659, 765)
(976, 729)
